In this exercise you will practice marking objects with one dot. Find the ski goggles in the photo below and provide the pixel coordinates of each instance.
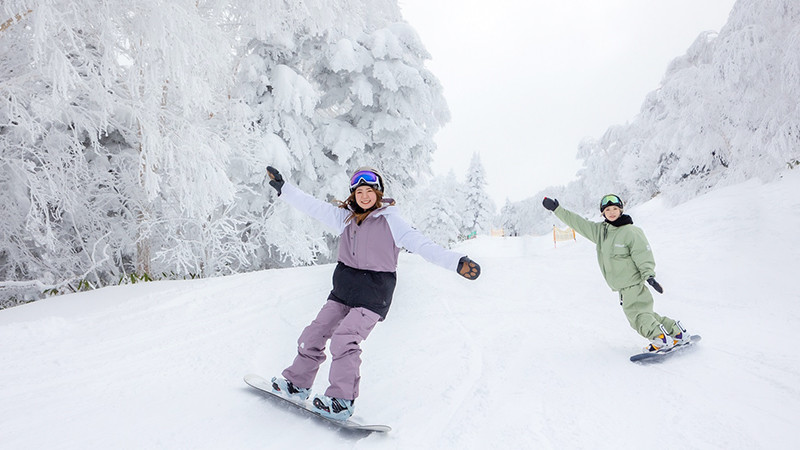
(365, 177)
(610, 200)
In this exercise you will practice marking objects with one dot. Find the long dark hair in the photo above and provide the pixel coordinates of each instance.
(356, 211)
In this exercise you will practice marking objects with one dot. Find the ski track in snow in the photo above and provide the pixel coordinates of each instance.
(534, 354)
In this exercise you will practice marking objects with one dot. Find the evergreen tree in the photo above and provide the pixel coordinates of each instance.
(509, 219)
(435, 211)
(479, 208)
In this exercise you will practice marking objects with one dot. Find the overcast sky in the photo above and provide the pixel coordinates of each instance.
(526, 81)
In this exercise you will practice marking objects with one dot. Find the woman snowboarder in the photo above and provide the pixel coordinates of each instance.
(371, 235)
(626, 262)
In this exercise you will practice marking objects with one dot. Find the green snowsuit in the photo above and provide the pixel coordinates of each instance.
(626, 262)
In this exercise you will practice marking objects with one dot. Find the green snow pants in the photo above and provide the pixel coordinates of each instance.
(637, 303)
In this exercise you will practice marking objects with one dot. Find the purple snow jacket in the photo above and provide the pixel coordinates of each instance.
(366, 273)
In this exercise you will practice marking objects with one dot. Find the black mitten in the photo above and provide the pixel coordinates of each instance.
(275, 179)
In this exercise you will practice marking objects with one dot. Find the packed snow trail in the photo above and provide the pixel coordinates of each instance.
(534, 354)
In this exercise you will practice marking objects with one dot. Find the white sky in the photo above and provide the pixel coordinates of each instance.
(526, 81)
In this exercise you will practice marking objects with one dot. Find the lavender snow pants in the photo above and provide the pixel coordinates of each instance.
(346, 327)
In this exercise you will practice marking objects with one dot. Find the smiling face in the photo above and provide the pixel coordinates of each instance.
(612, 213)
(365, 197)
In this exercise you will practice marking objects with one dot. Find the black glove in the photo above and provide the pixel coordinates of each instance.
(275, 179)
(468, 268)
(550, 203)
(652, 282)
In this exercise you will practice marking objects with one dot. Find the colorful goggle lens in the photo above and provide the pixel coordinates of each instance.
(609, 199)
(365, 177)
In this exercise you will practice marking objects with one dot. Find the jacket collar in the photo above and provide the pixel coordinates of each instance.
(621, 221)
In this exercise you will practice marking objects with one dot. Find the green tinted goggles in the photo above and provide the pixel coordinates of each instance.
(610, 200)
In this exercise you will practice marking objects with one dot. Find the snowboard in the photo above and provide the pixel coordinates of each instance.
(265, 387)
(659, 356)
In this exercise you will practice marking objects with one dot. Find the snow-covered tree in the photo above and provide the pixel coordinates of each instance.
(383, 105)
(726, 111)
(325, 104)
(104, 116)
(134, 135)
(529, 217)
(510, 219)
(479, 209)
(435, 211)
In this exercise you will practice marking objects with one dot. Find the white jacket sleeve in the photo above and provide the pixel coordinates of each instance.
(330, 215)
(412, 240)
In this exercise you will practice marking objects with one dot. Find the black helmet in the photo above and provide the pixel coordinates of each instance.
(609, 200)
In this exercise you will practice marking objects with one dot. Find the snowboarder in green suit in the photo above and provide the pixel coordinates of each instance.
(626, 262)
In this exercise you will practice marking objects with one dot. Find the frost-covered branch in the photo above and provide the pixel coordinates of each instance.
(145, 127)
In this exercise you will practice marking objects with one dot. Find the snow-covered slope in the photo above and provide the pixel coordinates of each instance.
(534, 354)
